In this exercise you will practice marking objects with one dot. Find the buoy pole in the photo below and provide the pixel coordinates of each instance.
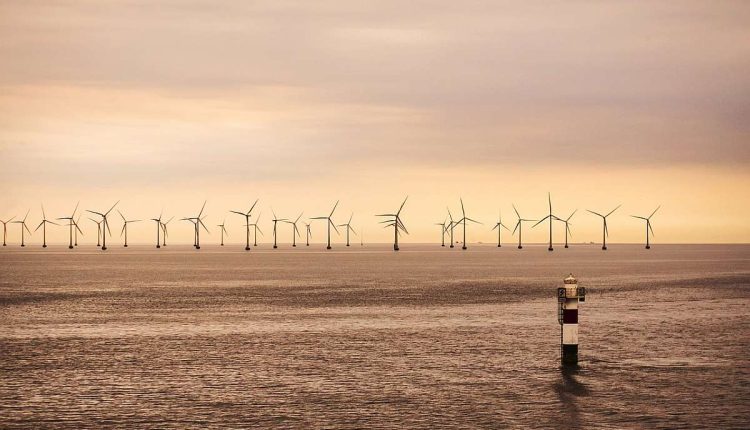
(568, 298)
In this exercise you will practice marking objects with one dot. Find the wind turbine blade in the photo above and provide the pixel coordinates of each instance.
(618, 207)
(300, 216)
(449, 214)
(110, 209)
(202, 207)
(334, 208)
(540, 221)
(123, 230)
(385, 215)
(350, 218)
(37, 227)
(78, 228)
(496, 226)
(639, 217)
(652, 213)
(473, 220)
(334, 227)
(506, 228)
(606, 230)
(44, 216)
(462, 207)
(252, 207)
(516, 227)
(106, 224)
(571, 215)
(75, 209)
(549, 197)
(53, 223)
(238, 213)
(402, 205)
(517, 214)
(27, 215)
(121, 215)
(649, 227)
(595, 213)
(319, 217)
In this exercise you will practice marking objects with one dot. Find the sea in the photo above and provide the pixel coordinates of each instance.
(365, 337)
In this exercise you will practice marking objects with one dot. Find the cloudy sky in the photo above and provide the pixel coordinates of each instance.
(162, 104)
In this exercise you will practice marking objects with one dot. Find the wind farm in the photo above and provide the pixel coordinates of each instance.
(392, 220)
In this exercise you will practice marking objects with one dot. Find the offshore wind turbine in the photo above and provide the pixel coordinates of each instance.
(648, 225)
(605, 231)
(396, 223)
(451, 225)
(125, 227)
(195, 230)
(5, 228)
(223, 230)
(567, 226)
(497, 226)
(165, 231)
(105, 226)
(158, 229)
(198, 220)
(43, 224)
(330, 223)
(98, 232)
(442, 231)
(349, 228)
(256, 229)
(308, 234)
(295, 230)
(275, 221)
(247, 225)
(463, 220)
(519, 226)
(551, 218)
(71, 222)
(23, 226)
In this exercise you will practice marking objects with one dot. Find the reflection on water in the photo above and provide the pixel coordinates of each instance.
(568, 390)
(368, 338)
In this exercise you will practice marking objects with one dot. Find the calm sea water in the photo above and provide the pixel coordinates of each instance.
(368, 338)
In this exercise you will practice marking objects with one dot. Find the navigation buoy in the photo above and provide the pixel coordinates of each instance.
(568, 298)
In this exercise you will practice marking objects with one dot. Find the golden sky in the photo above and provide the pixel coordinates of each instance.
(162, 104)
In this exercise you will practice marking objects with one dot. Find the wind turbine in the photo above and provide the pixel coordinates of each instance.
(158, 229)
(23, 226)
(451, 225)
(349, 228)
(308, 233)
(276, 220)
(98, 232)
(256, 229)
(165, 231)
(519, 226)
(396, 223)
(567, 226)
(72, 222)
(43, 224)
(5, 228)
(497, 226)
(463, 220)
(605, 231)
(198, 220)
(648, 225)
(442, 231)
(330, 223)
(551, 218)
(125, 226)
(105, 227)
(223, 230)
(195, 230)
(247, 225)
(295, 230)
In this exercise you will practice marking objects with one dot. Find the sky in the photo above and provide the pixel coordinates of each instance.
(164, 104)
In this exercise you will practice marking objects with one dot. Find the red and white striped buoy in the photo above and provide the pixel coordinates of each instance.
(567, 315)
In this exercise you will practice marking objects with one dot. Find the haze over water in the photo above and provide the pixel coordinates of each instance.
(365, 337)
